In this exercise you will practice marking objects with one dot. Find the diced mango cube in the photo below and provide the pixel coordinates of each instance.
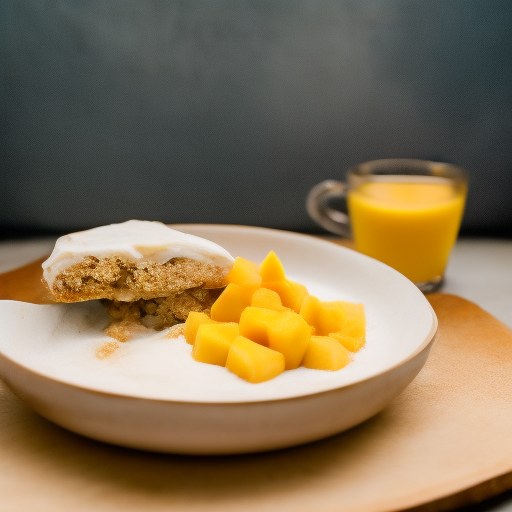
(192, 323)
(355, 319)
(325, 353)
(331, 318)
(310, 310)
(271, 268)
(244, 273)
(289, 334)
(353, 333)
(324, 316)
(213, 342)
(286, 332)
(344, 321)
(253, 362)
(292, 294)
(230, 303)
(352, 343)
(255, 322)
(268, 299)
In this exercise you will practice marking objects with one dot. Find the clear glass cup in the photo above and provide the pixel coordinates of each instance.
(403, 212)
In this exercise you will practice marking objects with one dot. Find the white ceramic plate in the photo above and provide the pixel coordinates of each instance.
(150, 394)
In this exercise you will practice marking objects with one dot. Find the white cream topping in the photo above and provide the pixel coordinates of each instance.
(134, 240)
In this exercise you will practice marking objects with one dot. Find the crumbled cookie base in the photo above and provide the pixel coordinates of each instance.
(124, 330)
(161, 312)
(117, 279)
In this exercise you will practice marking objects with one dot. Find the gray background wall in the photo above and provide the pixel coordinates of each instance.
(230, 111)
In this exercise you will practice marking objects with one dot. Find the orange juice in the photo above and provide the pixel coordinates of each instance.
(408, 222)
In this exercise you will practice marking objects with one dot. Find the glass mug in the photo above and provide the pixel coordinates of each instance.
(403, 212)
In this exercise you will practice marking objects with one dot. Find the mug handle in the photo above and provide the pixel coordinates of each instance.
(317, 205)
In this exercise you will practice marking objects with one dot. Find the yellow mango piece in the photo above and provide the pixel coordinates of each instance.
(355, 319)
(325, 353)
(192, 323)
(231, 302)
(268, 299)
(292, 294)
(331, 318)
(253, 362)
(341, 320)
(353, 333)
(213, 342)
(289, 334)
(324, 316)
(310, 310)
(351, 343)
(286, 332)
(255, 322)
(244, 273)
(271, 268)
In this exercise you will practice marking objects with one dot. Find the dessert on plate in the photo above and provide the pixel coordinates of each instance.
(235, 313)
(144, 272)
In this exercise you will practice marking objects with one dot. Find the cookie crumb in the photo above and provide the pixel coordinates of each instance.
(107, 349)
(176, 331)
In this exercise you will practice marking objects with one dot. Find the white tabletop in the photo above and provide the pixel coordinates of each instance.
(481, 271)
